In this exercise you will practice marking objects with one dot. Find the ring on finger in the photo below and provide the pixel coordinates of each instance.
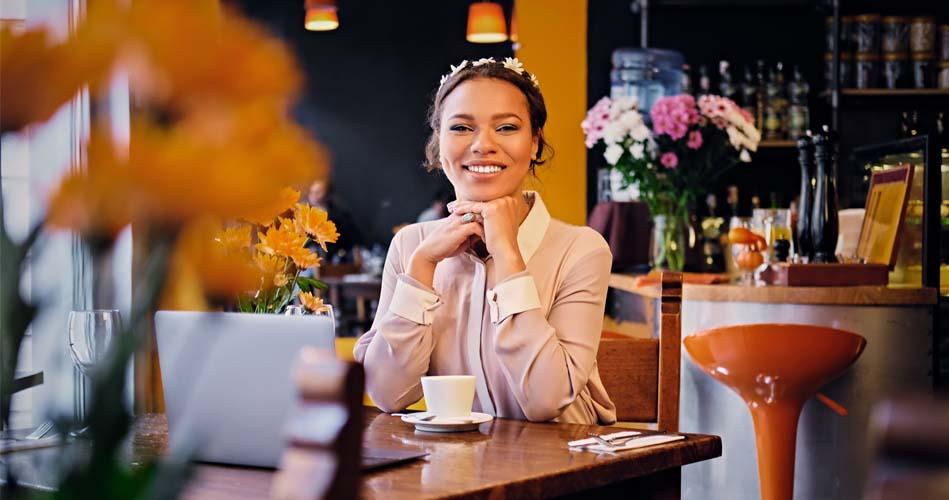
(468, 217)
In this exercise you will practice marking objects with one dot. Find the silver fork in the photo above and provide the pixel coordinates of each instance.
(614, 442)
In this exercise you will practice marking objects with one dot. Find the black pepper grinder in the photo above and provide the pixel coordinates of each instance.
(824, 224)
(805, 158)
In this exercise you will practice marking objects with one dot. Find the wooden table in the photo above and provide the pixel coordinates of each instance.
(503, 459)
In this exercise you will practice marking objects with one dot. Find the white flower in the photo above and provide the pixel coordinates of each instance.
(514, 65)
(638, 150)
(483, 60)
(613, 153)
(651, 146)
(535, 81)
(640, 132)
(631, 119)
(443, 80)
(622, 104)
(744, 156)
(613, 132)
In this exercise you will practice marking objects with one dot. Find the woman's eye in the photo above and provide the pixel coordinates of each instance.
(460, 128)
(507, 128)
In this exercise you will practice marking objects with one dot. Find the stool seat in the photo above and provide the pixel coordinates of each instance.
(775, 368)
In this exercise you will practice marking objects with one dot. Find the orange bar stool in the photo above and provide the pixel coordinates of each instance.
(775, 368)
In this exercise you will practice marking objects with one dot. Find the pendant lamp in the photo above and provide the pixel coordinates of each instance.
(321, 15)
(486, 23)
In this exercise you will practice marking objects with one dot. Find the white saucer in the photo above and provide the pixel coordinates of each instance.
(455, 424)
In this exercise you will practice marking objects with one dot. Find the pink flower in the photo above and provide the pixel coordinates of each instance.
(695, 140)
(596, 120)
(674, 115)
(669, 160)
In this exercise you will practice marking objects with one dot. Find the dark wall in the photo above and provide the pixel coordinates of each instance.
(368, 87)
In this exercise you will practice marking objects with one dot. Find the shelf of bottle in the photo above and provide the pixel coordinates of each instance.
(889, 93)
(776, 144)
(894, 92)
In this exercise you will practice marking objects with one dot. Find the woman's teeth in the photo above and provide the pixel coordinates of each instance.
(484, 169)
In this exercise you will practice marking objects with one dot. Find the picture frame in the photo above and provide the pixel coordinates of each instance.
(885, 211)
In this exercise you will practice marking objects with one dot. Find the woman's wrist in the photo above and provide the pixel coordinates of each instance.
(422, 269)
(508, 263)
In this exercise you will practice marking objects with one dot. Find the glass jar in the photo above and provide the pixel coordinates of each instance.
(944, 75)
(846, 69)
(646, 74)
(923, 70)
(669, 232)
(846, 34)
(922, 33)
(867, 71)
(896, 74)
(866, 31)
(895, 34)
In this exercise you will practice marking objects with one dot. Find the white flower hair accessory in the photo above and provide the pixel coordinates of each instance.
(511, 63)
(514, 65)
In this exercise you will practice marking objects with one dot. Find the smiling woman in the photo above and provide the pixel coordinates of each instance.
(498, 289)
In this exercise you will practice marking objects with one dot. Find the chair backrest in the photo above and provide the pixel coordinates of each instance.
(322, 458)
(642, 375)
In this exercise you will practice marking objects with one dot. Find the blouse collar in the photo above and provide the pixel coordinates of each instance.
(532, 230)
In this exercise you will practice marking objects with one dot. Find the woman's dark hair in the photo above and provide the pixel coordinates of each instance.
(537, 110)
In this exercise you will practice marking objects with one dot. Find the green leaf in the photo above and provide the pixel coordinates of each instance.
(310, 284)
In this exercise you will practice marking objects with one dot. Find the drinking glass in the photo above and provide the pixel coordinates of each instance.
(774, 224)
(89, 333)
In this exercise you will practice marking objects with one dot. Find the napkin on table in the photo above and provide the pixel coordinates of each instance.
(590, 444)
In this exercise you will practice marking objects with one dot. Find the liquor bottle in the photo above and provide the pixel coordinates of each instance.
(774, 105)
(761, 97)
(687, 80)
(805, 157)
(725, 85)
(798, 113)
(732, 201)
(749, 95)
(755, 202)
(705, 83)
(713, 255)
(824, 224)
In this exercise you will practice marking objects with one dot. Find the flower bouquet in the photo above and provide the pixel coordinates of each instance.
(283, 256)
(689, 144)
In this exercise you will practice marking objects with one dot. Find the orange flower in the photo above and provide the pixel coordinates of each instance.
(235, 239)
(281, 280)
(312, 303)
(283, 240)
(270, 266)
(31, 57)
(200, 268)
(265, 215)
(93, 203)
(315, 222)
(305, 259)
(196, 55)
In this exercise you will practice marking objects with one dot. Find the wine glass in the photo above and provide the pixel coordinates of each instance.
(90, 333)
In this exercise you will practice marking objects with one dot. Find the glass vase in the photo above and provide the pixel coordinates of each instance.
(669, 241)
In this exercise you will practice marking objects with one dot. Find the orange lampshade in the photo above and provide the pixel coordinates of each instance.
(486, 23)
(321, 15)
(513, 27)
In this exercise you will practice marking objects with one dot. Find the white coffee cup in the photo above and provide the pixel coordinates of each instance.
(449, 396)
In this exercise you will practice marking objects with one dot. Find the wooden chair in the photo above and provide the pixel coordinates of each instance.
(322, 459)
(642, 375)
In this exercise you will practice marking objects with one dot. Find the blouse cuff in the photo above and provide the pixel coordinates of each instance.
(513, 295)
(412, 301)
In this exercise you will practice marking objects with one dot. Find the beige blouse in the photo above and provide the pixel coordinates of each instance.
(530, 340)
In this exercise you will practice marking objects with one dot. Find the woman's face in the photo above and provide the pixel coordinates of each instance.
(485, 140)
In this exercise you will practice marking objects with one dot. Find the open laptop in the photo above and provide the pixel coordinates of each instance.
(227, 381)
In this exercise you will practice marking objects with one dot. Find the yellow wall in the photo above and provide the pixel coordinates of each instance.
(553, 37)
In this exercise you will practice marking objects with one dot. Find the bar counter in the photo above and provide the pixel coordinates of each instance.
(833, 452)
